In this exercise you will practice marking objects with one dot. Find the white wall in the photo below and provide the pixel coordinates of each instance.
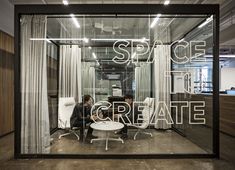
(227, 78)
(7, 17)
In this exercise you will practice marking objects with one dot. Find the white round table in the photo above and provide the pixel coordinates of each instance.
(107, 127)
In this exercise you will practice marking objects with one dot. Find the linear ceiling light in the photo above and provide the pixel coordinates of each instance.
(206, 22)
(116, 39)
(222, 56)
(75, 21)
(57, 39)
(155, 21)
(166, 2)
(93, 54)
(65, 2)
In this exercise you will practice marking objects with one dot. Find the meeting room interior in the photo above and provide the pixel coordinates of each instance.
(116, 84)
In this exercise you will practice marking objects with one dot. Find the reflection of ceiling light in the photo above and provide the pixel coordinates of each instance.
(75, 21)
(89, 47)
(155, 20)
(86, 40)
(166, 2)
(93, 54)
(65, 2)
(116, 39)
(206, 22)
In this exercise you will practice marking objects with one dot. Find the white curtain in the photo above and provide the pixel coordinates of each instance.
(70, 72)
(162, 86)
(142, 81)
(35, 135)
(88, 78)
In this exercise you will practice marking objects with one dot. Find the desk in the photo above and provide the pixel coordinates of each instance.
(107, 127)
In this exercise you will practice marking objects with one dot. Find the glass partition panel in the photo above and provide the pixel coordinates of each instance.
(127, 84)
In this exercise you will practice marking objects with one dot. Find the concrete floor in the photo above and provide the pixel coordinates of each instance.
(162, 142)
(8, 163)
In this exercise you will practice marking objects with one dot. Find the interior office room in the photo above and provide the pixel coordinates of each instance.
(158, 68)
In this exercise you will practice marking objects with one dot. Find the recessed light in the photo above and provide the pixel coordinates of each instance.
(166, 2)
(65, 2)
(86, 40)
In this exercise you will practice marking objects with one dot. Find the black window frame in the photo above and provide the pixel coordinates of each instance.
(117, 9)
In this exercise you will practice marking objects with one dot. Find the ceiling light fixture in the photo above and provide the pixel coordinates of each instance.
(57, 39)
(65, 2)
(89, 47)
(206, 22)
(117, 39)
(93, 54)
(75, 21)
(155, 20)
(166, 2)
(86, 40)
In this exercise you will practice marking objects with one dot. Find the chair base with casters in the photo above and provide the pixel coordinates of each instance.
(142, 131)
(71, 131)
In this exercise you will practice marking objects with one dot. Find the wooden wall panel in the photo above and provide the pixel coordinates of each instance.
(6, 83)
(227, 110)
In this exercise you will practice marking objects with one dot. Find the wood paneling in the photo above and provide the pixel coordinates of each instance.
(227, 110)
(6, 83)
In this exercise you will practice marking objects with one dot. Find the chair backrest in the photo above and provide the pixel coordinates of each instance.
(147, 112)
(65, 110)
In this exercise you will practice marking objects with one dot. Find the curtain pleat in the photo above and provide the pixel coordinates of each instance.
(162, 85)
(142, 81)
(88, 77)
(35, 135)
(70, 72)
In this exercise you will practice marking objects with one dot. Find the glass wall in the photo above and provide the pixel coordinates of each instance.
(123, 84)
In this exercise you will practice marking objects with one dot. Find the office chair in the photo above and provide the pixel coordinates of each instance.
(66, 106)
(147, 114)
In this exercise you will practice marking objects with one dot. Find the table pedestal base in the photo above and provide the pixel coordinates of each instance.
(107, 139)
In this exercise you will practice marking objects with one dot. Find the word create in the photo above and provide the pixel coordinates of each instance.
(194, 110)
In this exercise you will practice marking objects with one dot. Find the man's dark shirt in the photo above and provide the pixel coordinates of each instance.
(81, 114)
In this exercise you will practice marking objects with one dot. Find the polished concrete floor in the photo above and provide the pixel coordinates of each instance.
(225, 163)
(162, 142)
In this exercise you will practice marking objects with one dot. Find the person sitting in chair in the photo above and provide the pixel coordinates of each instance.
(82, 116)
(129, 117)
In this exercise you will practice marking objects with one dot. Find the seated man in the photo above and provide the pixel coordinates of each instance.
(124, 120)
(82, 116)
